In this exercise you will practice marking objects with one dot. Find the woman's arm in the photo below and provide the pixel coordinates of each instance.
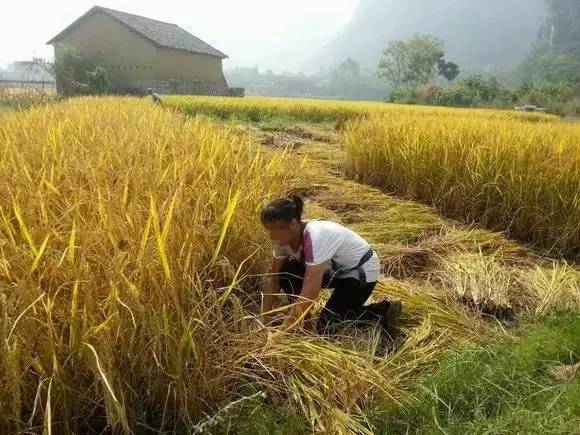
(272, 287)
(310, 292)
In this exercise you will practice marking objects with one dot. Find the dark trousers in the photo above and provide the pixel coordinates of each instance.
(346, 302)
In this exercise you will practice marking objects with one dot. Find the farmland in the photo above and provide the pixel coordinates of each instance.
(504, 174)
(131, 257)
(256, 109)
(22, 98)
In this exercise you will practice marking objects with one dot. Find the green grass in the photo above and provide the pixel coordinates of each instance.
(503, 387)
(275, 124)
(260, 418)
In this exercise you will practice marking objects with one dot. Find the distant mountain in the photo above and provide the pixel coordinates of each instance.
(479, 34)
(561, 31)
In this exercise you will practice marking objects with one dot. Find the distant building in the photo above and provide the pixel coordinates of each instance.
(141, 53)
(25, 71)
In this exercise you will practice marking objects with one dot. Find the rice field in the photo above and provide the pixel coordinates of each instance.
(131, 257)
(519, 177)
(260, 109)
(129, 240)
(505, 170)
(21, 98)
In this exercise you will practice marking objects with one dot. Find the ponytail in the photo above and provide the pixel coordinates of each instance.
(283, 209)
(299, 204)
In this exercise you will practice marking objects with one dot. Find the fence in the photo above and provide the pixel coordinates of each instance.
(165, 87)
(27, 84)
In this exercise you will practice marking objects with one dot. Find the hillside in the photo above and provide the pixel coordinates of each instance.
(478, 34)
(561, 31)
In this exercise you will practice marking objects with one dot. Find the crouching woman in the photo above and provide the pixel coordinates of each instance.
(312, 255)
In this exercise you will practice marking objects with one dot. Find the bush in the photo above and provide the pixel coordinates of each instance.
(572, 107)
(471, 91)
(478, 91)
(453, 96)
(97, 81)
(403, 95)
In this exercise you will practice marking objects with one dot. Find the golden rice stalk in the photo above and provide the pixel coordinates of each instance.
(229, 212)
(161, 241)
(48, 411)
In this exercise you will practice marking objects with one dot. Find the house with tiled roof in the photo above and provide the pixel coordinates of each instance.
(139, 52)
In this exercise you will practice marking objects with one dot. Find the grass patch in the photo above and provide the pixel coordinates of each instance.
(276, 124)
(261, 418)
(505, 387)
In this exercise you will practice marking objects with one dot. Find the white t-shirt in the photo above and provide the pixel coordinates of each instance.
(325, 241)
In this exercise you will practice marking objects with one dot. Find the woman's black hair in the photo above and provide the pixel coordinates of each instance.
(283, 209)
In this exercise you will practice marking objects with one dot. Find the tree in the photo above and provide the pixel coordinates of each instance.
(555, 67)
(74, 72)
(477, 86)
(425, 51)
(448, 70)
(348, 69)
(70, 70)
(417, 61)
(97, 81)
(394, 65)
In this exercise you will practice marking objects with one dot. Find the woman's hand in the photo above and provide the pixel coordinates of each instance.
(272, 286)
(276, 319)
(310, 292)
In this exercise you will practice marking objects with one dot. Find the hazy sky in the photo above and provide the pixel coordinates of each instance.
(278, 34)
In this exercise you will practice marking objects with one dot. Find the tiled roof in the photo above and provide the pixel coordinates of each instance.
(161, 34)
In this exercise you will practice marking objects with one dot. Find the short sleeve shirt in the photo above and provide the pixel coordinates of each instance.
(324, 241)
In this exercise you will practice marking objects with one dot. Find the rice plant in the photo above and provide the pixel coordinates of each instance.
(15, 98)
(123, 233)
(519, 177)
(261, 109)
